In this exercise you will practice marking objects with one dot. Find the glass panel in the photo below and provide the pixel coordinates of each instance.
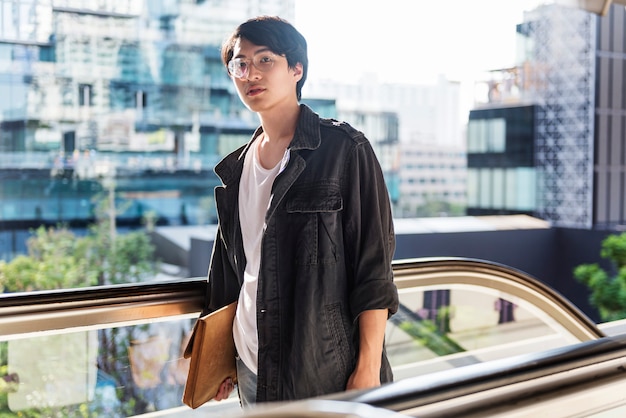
(511, 187)
(497, 135)
(485, 188)
(473, 186)
(526, 188)
(498, 188)
(482, 136)
(439, 328)
(62, 374)
(114, 372)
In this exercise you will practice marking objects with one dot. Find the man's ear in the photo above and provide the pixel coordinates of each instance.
(298, 71)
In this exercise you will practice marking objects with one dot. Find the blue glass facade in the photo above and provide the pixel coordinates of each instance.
(125, 94)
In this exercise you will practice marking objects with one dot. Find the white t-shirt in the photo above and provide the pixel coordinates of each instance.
(254, 198)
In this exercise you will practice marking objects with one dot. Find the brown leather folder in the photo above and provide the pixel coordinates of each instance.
(212, 351)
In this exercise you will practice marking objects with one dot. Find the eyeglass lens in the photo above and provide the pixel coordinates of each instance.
(240, 67)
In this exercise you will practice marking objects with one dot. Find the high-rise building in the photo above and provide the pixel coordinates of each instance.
(417, 134)
(117, 93)
(551, 133)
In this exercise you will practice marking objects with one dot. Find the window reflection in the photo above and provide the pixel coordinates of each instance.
(439, 328)
(115, 372)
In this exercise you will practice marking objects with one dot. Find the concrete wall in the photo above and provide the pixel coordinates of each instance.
(549, 255)
(575, 247)
(526, 250)
(199, 257)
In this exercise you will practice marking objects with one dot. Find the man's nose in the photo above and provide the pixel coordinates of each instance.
(253, 73)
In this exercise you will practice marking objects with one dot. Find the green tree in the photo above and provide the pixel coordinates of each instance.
(57, 259)
(53, 262)
(436, 208)
(608, 293)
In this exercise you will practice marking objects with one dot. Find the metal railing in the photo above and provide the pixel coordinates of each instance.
(106, 306)
(98, 307)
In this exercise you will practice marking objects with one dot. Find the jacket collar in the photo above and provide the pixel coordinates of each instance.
(307, 136)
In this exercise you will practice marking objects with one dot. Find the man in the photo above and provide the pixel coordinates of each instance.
(305, 236)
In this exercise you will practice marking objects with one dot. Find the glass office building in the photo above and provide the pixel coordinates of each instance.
(123, 95)
(501, 163)
(551, 133)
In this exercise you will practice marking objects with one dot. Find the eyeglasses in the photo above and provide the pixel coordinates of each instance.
(240, 67)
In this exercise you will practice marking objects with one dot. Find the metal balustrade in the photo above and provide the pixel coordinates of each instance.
(73, 327)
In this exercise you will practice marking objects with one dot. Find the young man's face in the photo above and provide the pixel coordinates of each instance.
(266, 80)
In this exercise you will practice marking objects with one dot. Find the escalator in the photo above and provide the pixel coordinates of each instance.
(482, 311)
(586, 379)
(465, 327)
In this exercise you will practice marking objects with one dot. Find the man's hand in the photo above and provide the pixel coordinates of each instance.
(363, 379)
(225, 389)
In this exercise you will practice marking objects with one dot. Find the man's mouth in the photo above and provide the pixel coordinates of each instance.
(253, 91)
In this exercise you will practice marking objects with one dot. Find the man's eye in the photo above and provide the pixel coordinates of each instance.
(266, 59)
(243, 65)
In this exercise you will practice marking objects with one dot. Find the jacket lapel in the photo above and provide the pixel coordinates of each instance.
(306, 137)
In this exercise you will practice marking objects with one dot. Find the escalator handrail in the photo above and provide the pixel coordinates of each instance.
(100, 306)
(595, 359)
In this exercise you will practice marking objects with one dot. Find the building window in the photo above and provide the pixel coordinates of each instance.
(141, 99)
(486, 135)
(497, 135)
(512, 189)
(485, 188)
(472, 187)
(526, 188)
(85, 95)
(499, 190)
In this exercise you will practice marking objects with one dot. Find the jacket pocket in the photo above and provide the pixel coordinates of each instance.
(315, 197)
(314, 222)
(339, 334)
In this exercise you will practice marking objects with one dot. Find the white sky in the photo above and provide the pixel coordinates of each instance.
(409, 41)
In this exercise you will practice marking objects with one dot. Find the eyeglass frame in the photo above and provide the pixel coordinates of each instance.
(232, 68)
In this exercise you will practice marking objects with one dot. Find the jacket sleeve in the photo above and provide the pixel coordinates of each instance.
(369, 233)
(223, 285)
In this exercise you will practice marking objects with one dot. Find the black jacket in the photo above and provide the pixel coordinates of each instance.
(326, 257)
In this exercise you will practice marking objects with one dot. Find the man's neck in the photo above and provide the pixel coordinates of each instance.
(280, 124)
(278, 131)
